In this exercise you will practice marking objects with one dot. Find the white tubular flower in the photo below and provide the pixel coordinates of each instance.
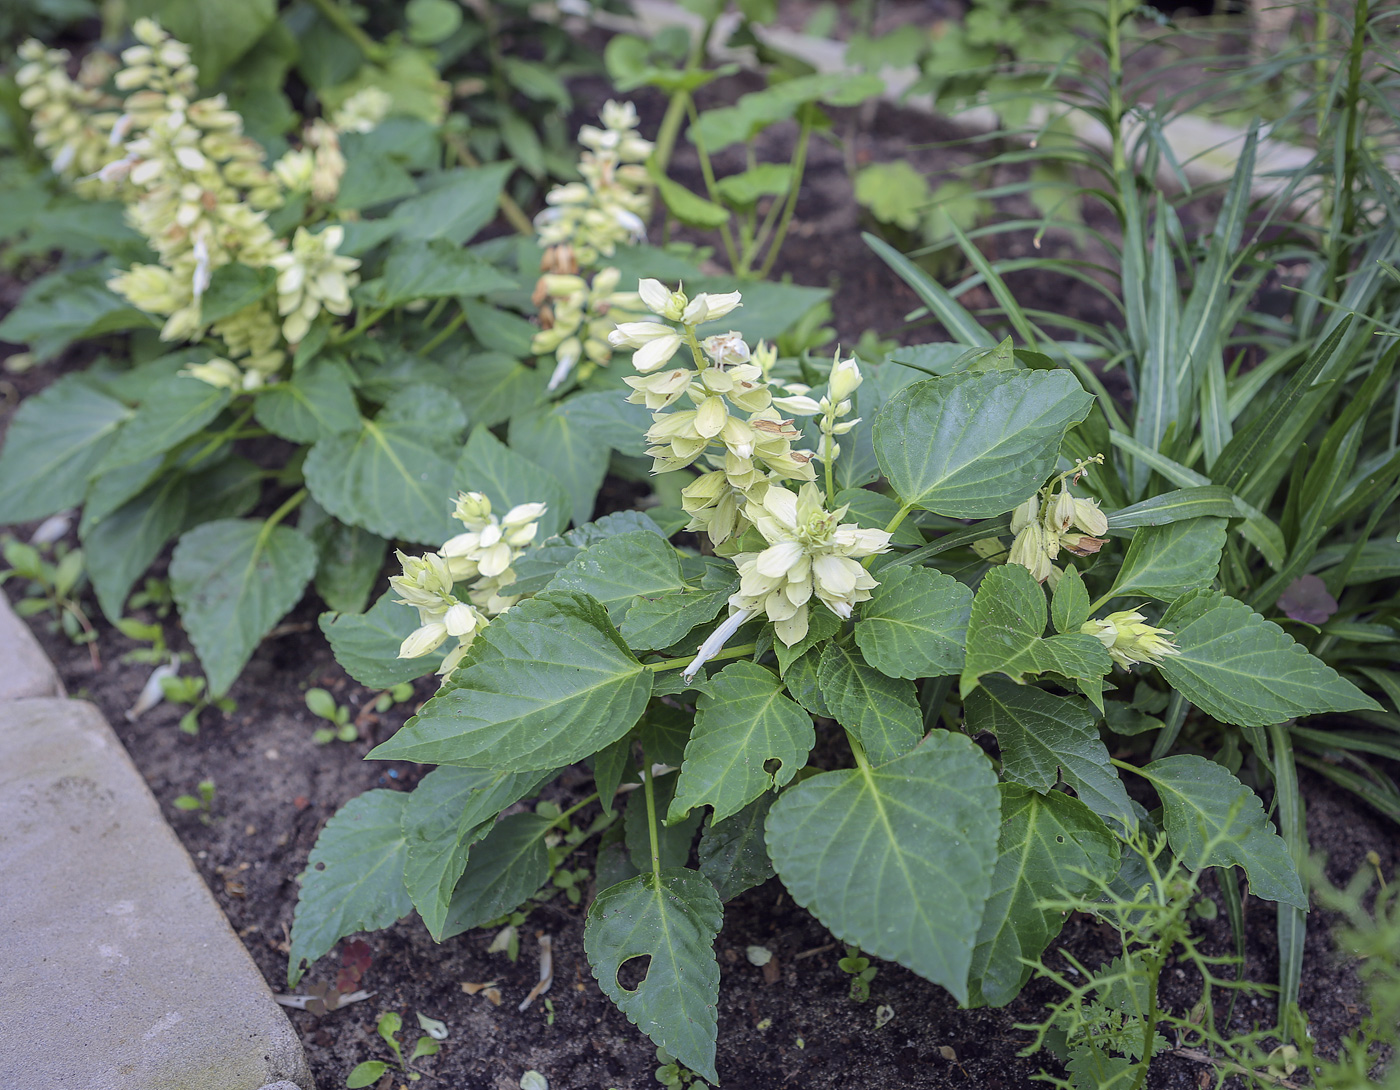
(423, 640)
(652, 343)
(797, 405)
(660, 389)
(661, 300)
(217, 372)
(1089, 518)
(1052, 520)
(1130, 640)
(726, 349)
(707, 308)
(312, 277)
(810, 553)
(714, 644)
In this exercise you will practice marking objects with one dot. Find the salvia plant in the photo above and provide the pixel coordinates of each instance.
(896, 712)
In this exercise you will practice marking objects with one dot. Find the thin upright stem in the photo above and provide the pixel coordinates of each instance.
(445, 332)
(707, 171)
(337, 16)
(512, 211)
(799, 165)
(647, 776)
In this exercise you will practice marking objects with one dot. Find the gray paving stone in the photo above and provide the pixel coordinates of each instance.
(118, 971)
(24, 668)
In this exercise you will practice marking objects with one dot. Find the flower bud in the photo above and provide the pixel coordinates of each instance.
(845, 380)
(472, 508)
(1025, 514)
(1089, 518)
(423, 640)
(1060, 514)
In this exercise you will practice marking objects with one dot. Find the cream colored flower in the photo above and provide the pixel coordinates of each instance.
(363, 110)
(1130, 640)
(311, 276)
(652, 342)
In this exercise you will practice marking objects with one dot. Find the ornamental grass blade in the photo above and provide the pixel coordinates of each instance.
(897, 859)
(1050, 846)
(670, 919)
(548, 683)
(956, 319)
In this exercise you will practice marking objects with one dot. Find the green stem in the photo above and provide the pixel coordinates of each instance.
(701, 363)
(726, 653)
(651, 821)
(291, 504)
(334, 14)
(364, 323)
(512, 211)
(899, 517)
(1115, 85)
(799, 166)
(1322, 34)
(676, 109)
(827, 459)
(1101, 603)
(858, 752)
(574, 809)
(707, 171)
(450, 328)
(220, 438)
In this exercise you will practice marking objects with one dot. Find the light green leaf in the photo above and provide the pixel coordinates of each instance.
(1006, 634)
(173, 409)
(218, 31)
(1050, 846)
(653, 623)
(690, 208)
(1182, 503)
(898, 859)
(313, 403)
(1044, 738)
(233, 580)
(497, 387)
(1069, 605)
(977, 443)
(367, 645)
(551, 684)
(120, 547)
(763, 180)
(65, 306)
(456, 208)
(672, 920)
(366, 1074)
(434, 268)
(349, 563)
(915, 624)
(1245, 670)
(894, 192)
(1164, 562)
(501, 872)
(822, 624)
(741, 724)
(618, 569)
(1213, 820)
(732, 853)
(353, 879)
(393, 475)
(508, 479)
(54, 443)
(554, 439)
(882, 712)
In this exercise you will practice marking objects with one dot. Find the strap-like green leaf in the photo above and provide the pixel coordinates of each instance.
(977, 443)
(551, 684)
(1213, 820)
(353, 879)
(1050, 846)
(882, 712)
(1006, 634)
(915, 624)
(1164, 562)
(1245, 670)
(1045, 738)
(896, 859)
(672, 922)
(742, 723)
(1179, 504)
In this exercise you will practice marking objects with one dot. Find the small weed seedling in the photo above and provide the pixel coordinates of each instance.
(192, 691)
(154, 594)
(153, 634)
(51, 586)
(862, 973)
(398, 694)
(202, 803)
(674, 1075)
(370, 1072)
(342, 728)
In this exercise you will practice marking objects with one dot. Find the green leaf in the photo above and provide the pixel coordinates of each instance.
(618, 569)
(54, 443)
(673, 838)
(743, 722)
(1175, 506)
(976, 444)
(449, 811)
(822, 624)
(366, 1074)
(508, 479)
(691, 209)
(434, 268)
(218, 31)
(314, 403)
(1245, 670)
(173, 409)
(732, 853)
(1165, 562)
(882, 712)
(554, 439)
(233, 287)
(353, 879)
(233, 580)
(121, 546)
(1006, 634)
(498, 386)
(393, 475)
(367, 645)
(915, 624)
(653, 623)
(763, 180)
(953, 315)
(1044, 738)
(894, 192)
(898, 859)
(1213, 820)
(64, 307)
(1050, 846)
(456, 208)
(1069, 605)
(671, 920)
(348, 566)
(501, 872)
(551, 683)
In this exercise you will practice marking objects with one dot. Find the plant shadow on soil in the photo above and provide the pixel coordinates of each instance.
(276, 788)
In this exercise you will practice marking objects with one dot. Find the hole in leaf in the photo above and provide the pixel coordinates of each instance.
(319, 866)
(1059, 840)
(772, 765)
(633, 971)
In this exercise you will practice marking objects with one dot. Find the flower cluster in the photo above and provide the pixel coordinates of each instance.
(734, 429)
(576, 318)
(73, 120)
(1050, 521)
(613, 202)
(1129, 639)
(481, 556)
(311, 277)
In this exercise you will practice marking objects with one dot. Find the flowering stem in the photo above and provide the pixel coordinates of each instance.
(701, 363)
(799, 165)
(364, 323)
(827, 459)
(1101, 603)
(727, 653)
(647, 776)
(712, 189)
(899, 515)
